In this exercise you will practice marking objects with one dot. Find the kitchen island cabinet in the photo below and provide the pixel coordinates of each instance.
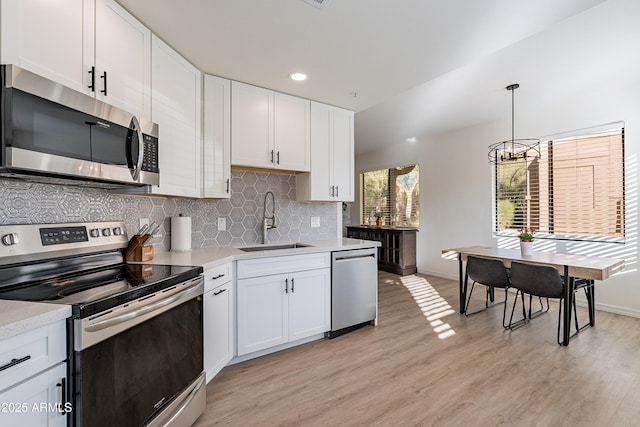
(397, 253)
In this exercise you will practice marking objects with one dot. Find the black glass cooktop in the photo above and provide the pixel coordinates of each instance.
(90, 286)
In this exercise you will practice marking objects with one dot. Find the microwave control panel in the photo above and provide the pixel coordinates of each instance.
(150, 160)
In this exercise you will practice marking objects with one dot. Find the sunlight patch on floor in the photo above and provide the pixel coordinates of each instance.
(432, 305)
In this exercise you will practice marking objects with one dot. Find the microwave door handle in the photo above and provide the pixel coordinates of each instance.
(135, 124)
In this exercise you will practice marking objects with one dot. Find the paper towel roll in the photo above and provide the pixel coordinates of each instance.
(180, 233)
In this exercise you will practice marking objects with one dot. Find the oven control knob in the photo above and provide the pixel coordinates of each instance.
(94, 232)
(117, 231)
(106, 232)
(10, 239)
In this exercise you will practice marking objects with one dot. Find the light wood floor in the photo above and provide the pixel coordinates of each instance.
(425, 364)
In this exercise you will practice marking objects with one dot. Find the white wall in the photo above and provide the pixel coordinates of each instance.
(456, 186)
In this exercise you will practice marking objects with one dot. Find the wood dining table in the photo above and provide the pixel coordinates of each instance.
(571, 267)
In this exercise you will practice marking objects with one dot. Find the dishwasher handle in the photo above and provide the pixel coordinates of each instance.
(354, 255)
(354, 258)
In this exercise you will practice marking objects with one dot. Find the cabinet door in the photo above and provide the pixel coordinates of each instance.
(252, 126)
(309, 303)
(217, 138)
(123, 51)
(262, 313)
(177, 89)
(292, 133)
(342, 155)
(321, 139)
(36, 402)
(52, 39)
(218, 332)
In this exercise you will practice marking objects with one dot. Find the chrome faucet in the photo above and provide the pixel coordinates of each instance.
(266, 226)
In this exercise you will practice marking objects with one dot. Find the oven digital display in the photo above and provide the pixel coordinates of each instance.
(62, 235)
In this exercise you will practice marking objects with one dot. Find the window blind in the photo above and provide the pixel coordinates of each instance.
(574, 188)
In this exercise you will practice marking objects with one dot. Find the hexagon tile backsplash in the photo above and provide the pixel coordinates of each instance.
(33, 203)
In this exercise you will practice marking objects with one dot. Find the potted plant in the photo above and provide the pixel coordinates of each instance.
(526, 237)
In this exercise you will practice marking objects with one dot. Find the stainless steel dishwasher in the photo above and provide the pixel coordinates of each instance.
(354, 290)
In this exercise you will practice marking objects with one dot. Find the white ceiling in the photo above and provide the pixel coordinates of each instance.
(419, 67)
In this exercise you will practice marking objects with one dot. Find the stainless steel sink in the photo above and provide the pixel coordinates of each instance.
(272, 247)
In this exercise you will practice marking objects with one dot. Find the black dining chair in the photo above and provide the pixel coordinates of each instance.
(490, 273)
(541, 281)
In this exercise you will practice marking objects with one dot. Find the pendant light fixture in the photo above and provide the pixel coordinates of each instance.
(513, 149)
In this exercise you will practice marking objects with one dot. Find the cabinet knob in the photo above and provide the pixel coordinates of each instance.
(10, 239)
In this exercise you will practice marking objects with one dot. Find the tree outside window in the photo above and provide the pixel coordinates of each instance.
(397, 204)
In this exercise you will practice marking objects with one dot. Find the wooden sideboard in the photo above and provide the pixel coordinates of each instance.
(398, 251)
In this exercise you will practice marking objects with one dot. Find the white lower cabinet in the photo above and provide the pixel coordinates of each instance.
(33, 372)
(36, 402)
(218, 319)
(287, 306)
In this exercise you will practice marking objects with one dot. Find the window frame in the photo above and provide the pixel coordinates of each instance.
(575, 237)
(389, 210)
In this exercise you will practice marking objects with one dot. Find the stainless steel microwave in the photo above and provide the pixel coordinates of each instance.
(54, 134)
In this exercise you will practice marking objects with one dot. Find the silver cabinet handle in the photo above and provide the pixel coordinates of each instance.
(271, 156)
(292, 285)
(286, 286)
(278, 157)
(228, 185)
(337, 191)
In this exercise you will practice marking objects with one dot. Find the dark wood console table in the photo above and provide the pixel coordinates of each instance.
(398, 251)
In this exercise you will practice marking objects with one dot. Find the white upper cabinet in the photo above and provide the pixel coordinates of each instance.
(176, 108)
(292, 133)
(122, 58)
(269, 129)
(52, 39)
(217, 138)
(332, 156)
(75, 42)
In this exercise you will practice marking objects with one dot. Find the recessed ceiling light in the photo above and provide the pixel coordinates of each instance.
(298, 77)
(412, 139)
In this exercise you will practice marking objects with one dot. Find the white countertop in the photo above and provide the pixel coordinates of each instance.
(214, 256)
(17, 317)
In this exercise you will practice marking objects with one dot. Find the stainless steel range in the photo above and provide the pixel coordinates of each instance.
(135, 342)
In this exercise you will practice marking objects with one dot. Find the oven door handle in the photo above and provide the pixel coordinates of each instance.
(193, 288)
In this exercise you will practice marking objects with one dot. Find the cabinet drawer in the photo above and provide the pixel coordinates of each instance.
(282, 264)
(39, 349)
(216, 276)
